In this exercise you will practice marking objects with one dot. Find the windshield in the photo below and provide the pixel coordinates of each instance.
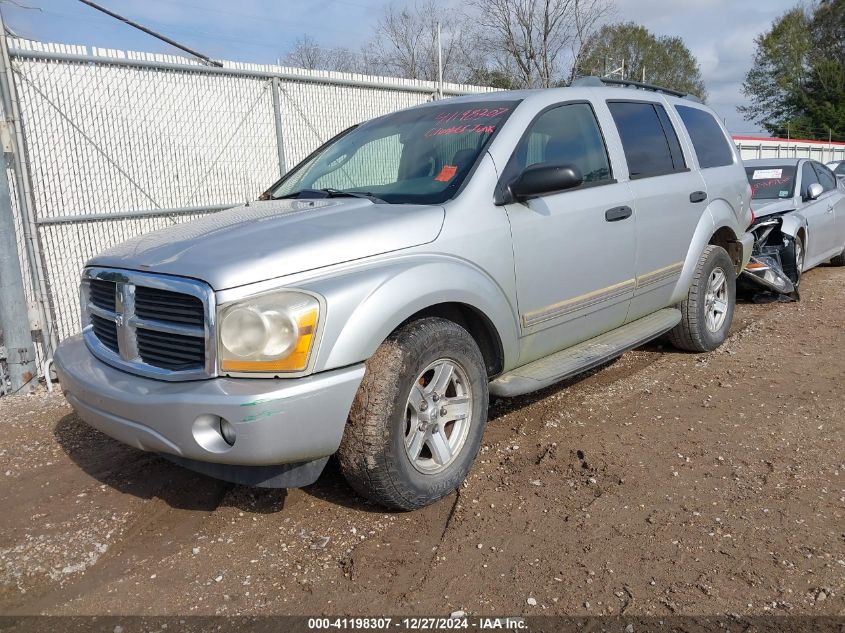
(415, 156)
(771, 183)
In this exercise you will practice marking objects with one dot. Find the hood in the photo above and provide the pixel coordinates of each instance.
(273, 238)
(763, 208)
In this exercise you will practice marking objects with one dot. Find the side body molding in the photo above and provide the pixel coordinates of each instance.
(365, 306)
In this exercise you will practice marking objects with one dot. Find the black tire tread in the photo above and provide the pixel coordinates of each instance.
(789, 263)
(687, 334)
(364, 452)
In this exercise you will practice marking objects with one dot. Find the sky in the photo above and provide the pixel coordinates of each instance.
(720, 33)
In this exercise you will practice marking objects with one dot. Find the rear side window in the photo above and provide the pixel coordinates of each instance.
(826, 177)
(840, 169)
(707, 137)
(564, 135)
(648, 138)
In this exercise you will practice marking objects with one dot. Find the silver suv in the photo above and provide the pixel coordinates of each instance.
(378, 293)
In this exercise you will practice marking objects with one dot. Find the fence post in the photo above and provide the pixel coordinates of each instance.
(23, 187)
(277, 117)
(14, 317)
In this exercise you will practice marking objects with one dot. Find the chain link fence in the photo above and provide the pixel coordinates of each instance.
(118, 144)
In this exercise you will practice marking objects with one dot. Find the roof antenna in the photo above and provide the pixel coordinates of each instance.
(159, 36)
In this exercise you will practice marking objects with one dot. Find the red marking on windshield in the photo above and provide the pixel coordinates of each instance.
(447, 173)
(470, 115)
(765, 184)
(478, 128)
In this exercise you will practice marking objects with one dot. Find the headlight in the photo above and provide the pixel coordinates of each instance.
(267, 333)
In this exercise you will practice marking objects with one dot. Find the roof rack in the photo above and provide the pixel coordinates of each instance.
(597, 82)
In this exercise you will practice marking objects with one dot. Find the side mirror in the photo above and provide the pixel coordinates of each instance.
(542, 179)
(814, 191)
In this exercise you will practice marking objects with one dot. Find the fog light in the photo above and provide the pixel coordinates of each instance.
(227, 431)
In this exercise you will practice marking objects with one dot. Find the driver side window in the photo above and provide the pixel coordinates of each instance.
(565, 135)
(808, 177)
(826, 177)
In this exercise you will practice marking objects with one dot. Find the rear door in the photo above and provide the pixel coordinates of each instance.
(669, 198)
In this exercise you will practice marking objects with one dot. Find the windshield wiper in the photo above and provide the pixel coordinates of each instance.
(329, 192)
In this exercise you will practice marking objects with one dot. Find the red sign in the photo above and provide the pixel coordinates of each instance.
(447, 173)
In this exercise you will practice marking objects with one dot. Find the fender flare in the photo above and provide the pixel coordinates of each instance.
(718, 214)
(365, 306)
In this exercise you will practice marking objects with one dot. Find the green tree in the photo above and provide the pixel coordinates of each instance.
(660, 60)
(796, 85)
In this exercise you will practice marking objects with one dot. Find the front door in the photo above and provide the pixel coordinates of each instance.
(573, 250)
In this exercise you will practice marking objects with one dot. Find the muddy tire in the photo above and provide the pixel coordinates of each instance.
(417, 420)
(708, 309)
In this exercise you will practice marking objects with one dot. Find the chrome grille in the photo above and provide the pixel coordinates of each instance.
(153, 325)
(170, 351)
(102, 294)
(106, 331)
(164, 305)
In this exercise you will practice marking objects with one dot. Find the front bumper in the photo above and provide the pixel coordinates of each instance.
(276, 421)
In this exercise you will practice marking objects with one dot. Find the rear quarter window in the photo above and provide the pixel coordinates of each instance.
(707, 138)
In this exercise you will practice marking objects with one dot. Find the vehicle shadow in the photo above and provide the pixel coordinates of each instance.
(605, 373)
(149, 476)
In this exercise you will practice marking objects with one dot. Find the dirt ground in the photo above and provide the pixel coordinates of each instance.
(664, 483)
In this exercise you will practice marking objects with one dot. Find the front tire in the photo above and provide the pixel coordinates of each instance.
(708, 309)
(417, 420)
(792, 261)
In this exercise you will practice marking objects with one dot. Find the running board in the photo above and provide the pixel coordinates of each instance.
(579, 358)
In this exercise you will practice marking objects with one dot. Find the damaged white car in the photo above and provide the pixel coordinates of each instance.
(799, 208)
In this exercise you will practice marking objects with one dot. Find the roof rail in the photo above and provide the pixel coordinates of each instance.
(597, 82)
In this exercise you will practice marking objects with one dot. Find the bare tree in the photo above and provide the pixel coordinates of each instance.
(535, 40)
(589, 16)
(405, 41)
(307, 53)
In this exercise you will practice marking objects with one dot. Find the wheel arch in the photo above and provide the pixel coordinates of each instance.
(365, 308)
(475, 322)
(717, 226)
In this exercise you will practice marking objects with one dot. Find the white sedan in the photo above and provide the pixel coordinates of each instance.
(799, 208)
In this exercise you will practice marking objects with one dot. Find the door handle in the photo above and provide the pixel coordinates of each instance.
(618, 213)
(698, 196)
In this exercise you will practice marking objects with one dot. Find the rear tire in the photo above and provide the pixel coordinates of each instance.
(839, 260)
(708, 309)
(406, 445)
